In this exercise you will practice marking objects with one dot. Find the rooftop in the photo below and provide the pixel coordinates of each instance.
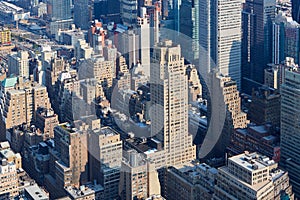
(84, 190)
(36, 192)
(252, 161)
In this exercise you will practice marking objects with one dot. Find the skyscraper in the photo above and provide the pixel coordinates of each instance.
(144, 35)
(257, 38)
(169, 94)
(107, 10)
(296, 10)
(290, 129)
(129, 11)
(81, 14)
(220, 36)
(60, 10)
(189, 23)
(139, 179)
(286, 37)
(105, 157)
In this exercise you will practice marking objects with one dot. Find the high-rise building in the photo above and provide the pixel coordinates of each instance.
(66, 86)
(128, 45)
(20, 104)
(233, 102)
(129, 12)
(191, 182)
(252, 176)
(144, 34)
(169, 91)
(18, 64)
(189, 24)
(81, 14)
(229, 110)
(258, 16)
(296, 10)
(220, 36)
(69, 159)
(265, 106)
(60, 10)
(100, 69)
(107, 11)
(139, 179)
(10, 165)
(286, 38)
(61, 15)
(46, 120)
(105, 157)
(290, 120)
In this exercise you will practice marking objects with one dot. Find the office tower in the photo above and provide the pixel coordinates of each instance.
(286, 36)
(129, 11)
(105, 157)
(252, 176)
(143, 23)
(60, 10)
(139, 179)
(169, 91)
(46, 120)
(263, 139)
(107, 11)
(189, 24)
(265, 106)
(128, 45)
(69, 159)
(81, 14)
(154, 13)
(61, 16)
(290, 136)
(18, 64)
(220, 36)
(258, 16)
(20, 104)
(191, 182)
(296, 10)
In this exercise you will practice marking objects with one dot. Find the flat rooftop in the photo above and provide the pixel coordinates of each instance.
(84, 190)
(252, 161)
(35, 192)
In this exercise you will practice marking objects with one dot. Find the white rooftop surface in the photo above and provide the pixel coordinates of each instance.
(36, 193)
(241, 161)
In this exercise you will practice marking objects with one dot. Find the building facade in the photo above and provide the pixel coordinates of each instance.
(290, 126)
